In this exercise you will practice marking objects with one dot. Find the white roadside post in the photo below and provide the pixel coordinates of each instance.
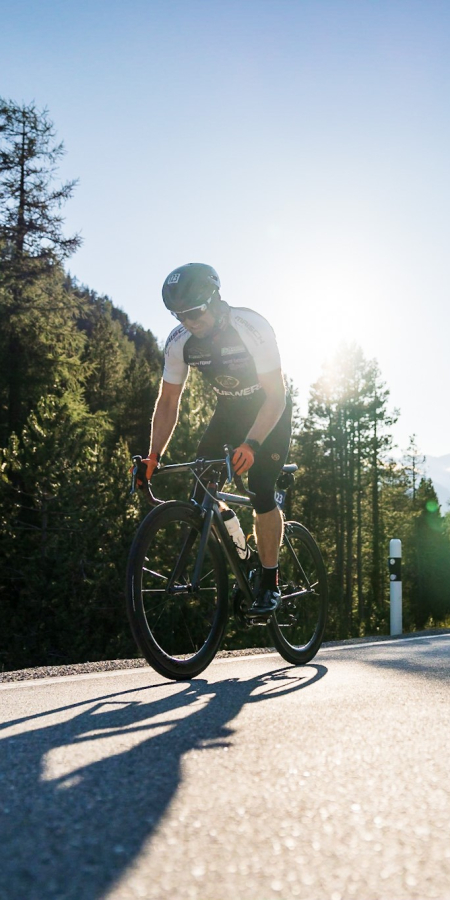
(395, 576)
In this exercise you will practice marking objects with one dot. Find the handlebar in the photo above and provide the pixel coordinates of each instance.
(139, 473)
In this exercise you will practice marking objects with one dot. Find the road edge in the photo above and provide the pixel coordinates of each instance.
(111, 665)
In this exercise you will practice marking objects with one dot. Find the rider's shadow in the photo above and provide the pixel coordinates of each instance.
(69, 827)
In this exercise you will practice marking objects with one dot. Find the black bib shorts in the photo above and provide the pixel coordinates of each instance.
(230, 424)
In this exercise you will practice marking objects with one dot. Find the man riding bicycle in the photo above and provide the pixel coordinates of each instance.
(235, 349)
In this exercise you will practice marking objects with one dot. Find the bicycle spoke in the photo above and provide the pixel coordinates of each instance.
(156, 574)
(153, 591)
(207, 575)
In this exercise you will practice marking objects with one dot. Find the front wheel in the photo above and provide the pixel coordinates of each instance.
(177, 625)
(298, 626)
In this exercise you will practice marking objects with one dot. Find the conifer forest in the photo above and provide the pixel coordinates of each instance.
(78, 382)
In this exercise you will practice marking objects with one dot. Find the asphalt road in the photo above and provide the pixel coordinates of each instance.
(255, 781)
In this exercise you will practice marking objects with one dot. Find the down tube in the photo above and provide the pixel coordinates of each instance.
(231, 555)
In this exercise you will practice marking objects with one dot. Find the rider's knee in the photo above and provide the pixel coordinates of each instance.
(264, 502)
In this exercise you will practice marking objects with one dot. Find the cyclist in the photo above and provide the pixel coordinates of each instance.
(235, 349)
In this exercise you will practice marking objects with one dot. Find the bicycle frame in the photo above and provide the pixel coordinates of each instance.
(178, 613)
(213, 519)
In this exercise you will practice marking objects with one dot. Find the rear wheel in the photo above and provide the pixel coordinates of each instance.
(298, 626)
(177, 625)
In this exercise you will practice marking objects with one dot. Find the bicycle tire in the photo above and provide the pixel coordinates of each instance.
(178, 631)
(298, 625)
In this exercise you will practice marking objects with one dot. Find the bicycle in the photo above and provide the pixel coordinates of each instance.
(177, 579)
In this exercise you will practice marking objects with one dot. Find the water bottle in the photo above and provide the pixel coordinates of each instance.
(235, 531)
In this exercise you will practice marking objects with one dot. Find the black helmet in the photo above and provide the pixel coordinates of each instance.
(190, 286)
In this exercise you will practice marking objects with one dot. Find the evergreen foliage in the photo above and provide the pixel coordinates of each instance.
(78, 382)
(35, 324)
(354, 498)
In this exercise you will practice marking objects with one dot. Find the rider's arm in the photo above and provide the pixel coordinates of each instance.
(273, 407)
(165, 416)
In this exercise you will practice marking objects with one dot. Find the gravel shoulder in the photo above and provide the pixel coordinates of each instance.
(110, 665)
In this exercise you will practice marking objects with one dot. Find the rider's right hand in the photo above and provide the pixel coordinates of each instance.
(151, 463)
(243, 458)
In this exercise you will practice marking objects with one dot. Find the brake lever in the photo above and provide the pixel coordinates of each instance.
(134, 472)
(228, 454)
(232, 476)
(140, 471)
(241, 487)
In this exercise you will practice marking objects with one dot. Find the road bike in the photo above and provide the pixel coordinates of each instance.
(177, 584)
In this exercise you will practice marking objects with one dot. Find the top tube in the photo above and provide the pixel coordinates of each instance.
(199, 467)
(184, 467)
(232, 499)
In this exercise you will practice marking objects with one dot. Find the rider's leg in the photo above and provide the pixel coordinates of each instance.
(269, 533)
(262, 478)
(268, 519)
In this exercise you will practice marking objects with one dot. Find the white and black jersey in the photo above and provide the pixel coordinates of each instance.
(231, 358)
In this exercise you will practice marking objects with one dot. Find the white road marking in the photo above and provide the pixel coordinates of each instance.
(37, 682)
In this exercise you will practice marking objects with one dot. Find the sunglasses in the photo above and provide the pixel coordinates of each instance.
(193, 314)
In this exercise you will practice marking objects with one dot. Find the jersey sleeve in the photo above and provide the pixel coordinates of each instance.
(259, 338)
(175, 369)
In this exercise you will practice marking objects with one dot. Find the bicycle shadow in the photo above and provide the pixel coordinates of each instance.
(70, 827)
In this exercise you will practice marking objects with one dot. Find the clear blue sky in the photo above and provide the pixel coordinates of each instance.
(302, 147)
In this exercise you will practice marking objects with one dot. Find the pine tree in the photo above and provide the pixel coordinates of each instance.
(413, 464)
(67, 525)
(121, 366)
(34, 316)
(380, 445)
(342, 451)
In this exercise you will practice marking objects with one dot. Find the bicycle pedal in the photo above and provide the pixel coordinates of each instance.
(260, 620)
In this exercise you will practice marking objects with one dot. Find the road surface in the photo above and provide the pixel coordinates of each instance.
(255, 781)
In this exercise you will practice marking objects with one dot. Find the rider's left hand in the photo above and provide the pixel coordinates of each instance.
(243, 459)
